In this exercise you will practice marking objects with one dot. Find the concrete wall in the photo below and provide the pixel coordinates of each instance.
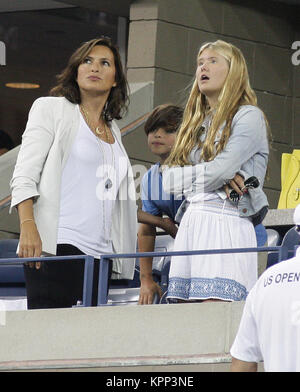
(164, 38)
(174, 337)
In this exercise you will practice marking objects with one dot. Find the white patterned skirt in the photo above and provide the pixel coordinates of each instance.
(213, 224)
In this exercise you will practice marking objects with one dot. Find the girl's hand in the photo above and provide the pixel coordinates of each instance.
(237, 183)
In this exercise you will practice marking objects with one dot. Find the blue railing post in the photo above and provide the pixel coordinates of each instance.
(88, 281)
(103, 281)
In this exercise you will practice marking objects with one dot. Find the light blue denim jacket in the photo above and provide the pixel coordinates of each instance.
(246, 152)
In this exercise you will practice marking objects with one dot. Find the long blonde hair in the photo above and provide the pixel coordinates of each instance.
(235, 92)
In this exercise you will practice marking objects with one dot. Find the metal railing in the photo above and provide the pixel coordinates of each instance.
(5, 202)
(134, 124)
(88, 270)
(282, 250)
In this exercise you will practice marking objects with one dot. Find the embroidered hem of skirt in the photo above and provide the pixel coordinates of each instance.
(204, 288)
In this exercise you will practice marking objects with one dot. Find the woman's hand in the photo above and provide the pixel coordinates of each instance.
(30, 242)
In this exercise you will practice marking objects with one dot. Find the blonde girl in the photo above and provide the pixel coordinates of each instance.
(222, 140)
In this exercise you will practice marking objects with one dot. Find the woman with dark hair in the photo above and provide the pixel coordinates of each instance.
(68, 85)
(73, 184)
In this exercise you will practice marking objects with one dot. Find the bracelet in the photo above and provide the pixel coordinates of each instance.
(26, 220)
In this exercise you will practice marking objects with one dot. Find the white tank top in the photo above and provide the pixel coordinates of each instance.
(90, 182)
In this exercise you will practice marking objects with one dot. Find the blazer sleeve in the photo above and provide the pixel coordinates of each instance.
(36, 142)
(248, 132)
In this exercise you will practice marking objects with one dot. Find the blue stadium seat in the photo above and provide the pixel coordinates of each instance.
(274, 239)
(291, 240)
(12, 280)
(8, 248)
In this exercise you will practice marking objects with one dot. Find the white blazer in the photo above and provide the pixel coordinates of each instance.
(51, 129)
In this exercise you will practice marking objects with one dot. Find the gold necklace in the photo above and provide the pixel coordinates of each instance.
(98, 131)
